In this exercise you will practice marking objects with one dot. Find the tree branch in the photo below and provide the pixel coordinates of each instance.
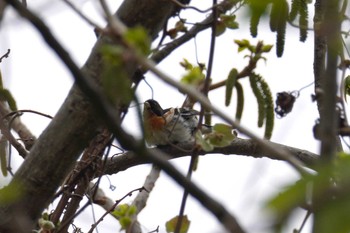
(246, 147)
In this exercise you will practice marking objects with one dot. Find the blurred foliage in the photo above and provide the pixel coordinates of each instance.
(326, 192)
(124, 213)
(115, 79)
(139, 39)
(179, 27)
(225, 22)
(171, 224)
(194, 75)
(11, 193)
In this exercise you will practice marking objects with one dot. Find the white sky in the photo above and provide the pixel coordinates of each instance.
(40, 82)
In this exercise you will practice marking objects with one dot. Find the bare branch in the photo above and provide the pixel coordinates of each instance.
(245, 147)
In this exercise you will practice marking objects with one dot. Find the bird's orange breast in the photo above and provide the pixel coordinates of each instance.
(156, 122)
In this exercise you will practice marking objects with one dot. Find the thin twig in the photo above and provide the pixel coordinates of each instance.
(183, 6)
(87, 19)
(113, 207)
(6, 55)
(194, 157)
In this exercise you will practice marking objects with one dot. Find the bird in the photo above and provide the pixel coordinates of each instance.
(171, 126)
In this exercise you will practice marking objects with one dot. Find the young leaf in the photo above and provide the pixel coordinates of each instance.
(124, 213)
(220, 28)
(194, 77)
(229, 21)
(202, 143)
(186, 64)
(242, 44)
(221, 136)
(266, 48)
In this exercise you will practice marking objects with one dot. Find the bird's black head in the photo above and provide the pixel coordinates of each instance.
(155, 107)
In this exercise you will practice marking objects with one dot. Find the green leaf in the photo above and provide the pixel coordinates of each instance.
(180, 26)
(194, 77)
(229, 21)
(125, 222)
(139, 39)
(124, 214)
(242, 44)
(220, 28)
(46, 225)
(171, 224)
(221, 136)
(230, 83)
(266, 48)
(186, 64)
(290, 198)
(328, 190)
(202, 143)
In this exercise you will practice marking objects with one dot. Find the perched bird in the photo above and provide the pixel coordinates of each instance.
(169, 126)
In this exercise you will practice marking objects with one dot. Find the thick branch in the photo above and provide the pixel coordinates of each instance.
(246, 147)
(329, 117)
